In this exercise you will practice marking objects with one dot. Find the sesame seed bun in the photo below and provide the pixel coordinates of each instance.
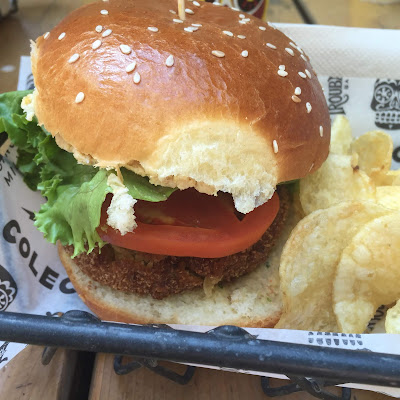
(215, 106)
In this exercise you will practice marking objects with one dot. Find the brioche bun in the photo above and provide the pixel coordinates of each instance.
(231, 123)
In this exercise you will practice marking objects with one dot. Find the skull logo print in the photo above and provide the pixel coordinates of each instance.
(386, 103)
(8, 289)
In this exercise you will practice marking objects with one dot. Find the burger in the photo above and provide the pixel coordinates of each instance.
(163, 142)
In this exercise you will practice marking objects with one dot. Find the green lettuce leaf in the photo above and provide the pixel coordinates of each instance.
(140, 188)
(10, 104)
(73, 213)
(21, 132)
(74, 192)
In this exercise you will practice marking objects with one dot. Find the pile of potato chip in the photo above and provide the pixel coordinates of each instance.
(342, 260)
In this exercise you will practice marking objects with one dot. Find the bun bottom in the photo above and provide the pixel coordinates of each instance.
(250, 301)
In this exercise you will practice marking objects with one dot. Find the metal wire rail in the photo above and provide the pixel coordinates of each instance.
(223, 347)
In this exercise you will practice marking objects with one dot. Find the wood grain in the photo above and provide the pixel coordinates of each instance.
(356, 13)
(143, 384)
(283, 11)
(24, 377)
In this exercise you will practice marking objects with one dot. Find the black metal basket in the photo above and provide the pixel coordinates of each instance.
(310, 368)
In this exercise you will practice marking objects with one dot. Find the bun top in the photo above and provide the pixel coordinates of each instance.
(220, 101)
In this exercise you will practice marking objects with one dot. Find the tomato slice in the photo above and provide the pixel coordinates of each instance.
(192, 224)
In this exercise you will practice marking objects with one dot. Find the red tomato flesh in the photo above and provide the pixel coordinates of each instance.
(192, 224)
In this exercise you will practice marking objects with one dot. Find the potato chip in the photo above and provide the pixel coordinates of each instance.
(388, 196)
(391, 178)
(309, 260)
(368, 273)
(392, 322)
(341, 136)
(374, 151)
(334, 182)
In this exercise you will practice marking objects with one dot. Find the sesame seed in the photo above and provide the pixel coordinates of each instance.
(271, 46)
(73, 58)
(290, 51)
(190, 29)
(292, 44)
(300, 49)
(296, 99)
(241, 36)
(107, 33)
(172, 11)
(227, 33)
(242, 16)
(79, 97)
(308, 73)
(136, 78)
(197, 25)
(196, 3)
(216, 3)
(46, 35)
(262, 28)
(302, 74)
(246, 19)
(169, 62)
(125, 49)
(245, 53)
(243, 22)
(297, 91)
(282, 67)
(218, 53)
(321, 131)
(130, 67)
(152, 29)
(311, 167)
(303, 57)
(308, 107)
(96, 44)
(62, 36)
(189, 11)
(282, 73)
(179, 21)
(275, 146)
(104, 12)
(98, 28)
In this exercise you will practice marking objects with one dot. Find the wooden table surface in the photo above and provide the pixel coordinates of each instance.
(73, 375)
